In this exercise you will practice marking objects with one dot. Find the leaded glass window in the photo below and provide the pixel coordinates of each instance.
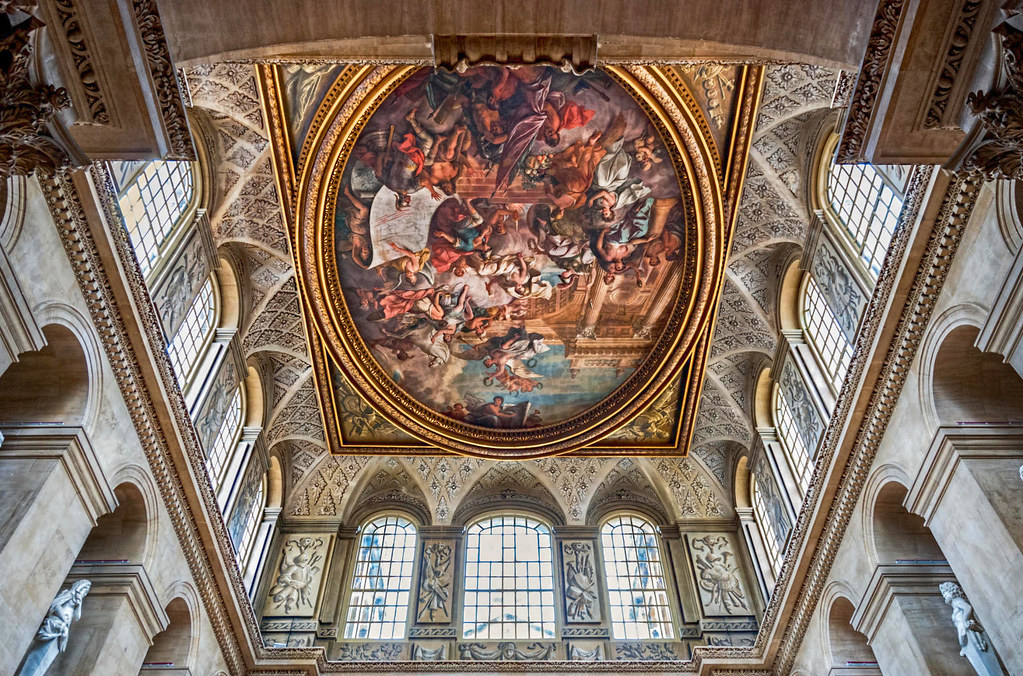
(226, 441)
(635, 580)
(792, 441)
(867, 207)
(378, 606)
(829, 343)
(195, 330)
(768, 528)
(152, 205)
(251, 525)
(509, 580)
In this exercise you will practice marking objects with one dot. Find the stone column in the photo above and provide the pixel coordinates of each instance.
(594, 304)
(906, 621)
(437, 597)
(331, 620)
(667, 292)
(120, 617)
(51, 495)
(970, 478)
(758, 551)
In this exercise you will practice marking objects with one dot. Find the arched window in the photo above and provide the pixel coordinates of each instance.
(867, 207)
(378, 606)
(152, 204)
(226, 441)
(635, 580)
(252, 519)
(829, 343)
(795, 450)
(768, 528)
(509, 579)
(193, 334)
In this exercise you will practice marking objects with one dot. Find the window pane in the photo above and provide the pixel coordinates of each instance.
(508, 568)
(826, 337)
(151, 206)
(226, 441)
(639, 600)
(768, 528)
(195, 328)
(792, 441)
(380, 612)
(868, 208)
(251, 524)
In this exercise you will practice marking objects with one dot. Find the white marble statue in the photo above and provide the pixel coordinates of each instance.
(973, 642)
(51, 639)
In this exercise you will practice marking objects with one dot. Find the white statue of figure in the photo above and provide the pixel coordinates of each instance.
(51, 639)
(973, 643)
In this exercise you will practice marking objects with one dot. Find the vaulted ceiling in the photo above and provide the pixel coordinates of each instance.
(249, 228)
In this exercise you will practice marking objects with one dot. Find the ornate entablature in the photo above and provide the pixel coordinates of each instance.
(509, 262)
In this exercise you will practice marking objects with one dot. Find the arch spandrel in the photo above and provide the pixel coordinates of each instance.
(371, 295)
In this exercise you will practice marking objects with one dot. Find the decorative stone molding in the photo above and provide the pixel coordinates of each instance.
(161, 69)
(26, 144)
(868, 85)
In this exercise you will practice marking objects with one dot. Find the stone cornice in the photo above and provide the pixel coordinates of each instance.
(70, 445)
(951, 446)
(131, 581)
(889, 581)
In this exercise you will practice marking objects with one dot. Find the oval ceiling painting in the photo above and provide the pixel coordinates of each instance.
(510, 243)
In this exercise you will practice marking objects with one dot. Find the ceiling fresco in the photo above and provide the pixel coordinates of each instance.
(508, 262)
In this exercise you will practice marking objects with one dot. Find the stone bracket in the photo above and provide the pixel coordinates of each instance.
(131, 581)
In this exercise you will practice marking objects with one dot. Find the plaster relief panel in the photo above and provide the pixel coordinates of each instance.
(216, 406)
(808, 425)
(181, 284)
(435, 583)
(840, 291)
(718, 577)
(296, 587)
(582, 601)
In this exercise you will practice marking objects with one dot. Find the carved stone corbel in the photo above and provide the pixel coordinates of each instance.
(25, 109)
(997, 151)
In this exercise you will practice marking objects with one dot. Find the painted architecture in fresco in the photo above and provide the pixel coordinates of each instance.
(510, 241)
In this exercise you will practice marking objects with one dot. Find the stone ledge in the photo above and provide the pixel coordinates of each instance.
(131, 581)
(891, 580)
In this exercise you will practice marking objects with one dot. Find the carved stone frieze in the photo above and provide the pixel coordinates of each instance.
(508, 651)
(26, 145)
(999, 153)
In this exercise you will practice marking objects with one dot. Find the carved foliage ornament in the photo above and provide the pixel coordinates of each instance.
(26, 110)
(1000, 113)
